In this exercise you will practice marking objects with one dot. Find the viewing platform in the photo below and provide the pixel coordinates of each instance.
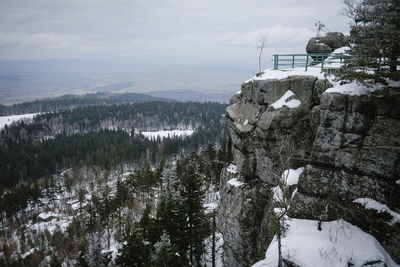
(291, 61)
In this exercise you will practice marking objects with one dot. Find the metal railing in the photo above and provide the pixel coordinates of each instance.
(306, 60)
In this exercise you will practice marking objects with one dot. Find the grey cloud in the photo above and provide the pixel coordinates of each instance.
(175, 29)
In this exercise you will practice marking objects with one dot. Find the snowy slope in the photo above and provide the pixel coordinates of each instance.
(338, 244)
(10, 119)
(163, 134)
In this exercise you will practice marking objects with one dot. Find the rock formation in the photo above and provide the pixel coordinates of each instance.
(327, 43)
(349, 146)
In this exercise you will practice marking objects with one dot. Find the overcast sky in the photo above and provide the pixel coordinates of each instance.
(161, 30)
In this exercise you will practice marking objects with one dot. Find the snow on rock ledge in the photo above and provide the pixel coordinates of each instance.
(353, 88)
(283, 101)
(292, 176)
(369, 203)
(235, 182)
(338, 244)
(232, 168)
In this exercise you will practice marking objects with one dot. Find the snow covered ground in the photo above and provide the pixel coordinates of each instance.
(338, 244)
(7, 120)
(219, 241)
(164, 134)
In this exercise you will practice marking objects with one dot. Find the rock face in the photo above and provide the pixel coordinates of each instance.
(328, 43)
(349, 146)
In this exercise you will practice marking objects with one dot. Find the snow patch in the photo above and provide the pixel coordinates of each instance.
(354, 88)
(292, 176)
(338, 244)
(219, 242)
(235, 182)
(398, 182)
(269, 74)
(238, 92)
(232, 168)
(53, 224)
(393, 83)
(166, 134)
(371, 204)
(210, 207)
(7, 120)
(343, 50)
(29, 252)
(45, 215)
(278, 194)
(283, 101)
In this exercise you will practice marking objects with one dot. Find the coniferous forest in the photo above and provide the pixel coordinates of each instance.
(83, 186)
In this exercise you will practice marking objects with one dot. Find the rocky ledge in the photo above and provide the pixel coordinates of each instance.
(349, 146)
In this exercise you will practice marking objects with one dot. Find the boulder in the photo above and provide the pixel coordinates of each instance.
(327, 43)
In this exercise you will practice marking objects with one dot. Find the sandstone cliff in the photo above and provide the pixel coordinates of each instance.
(349, 146)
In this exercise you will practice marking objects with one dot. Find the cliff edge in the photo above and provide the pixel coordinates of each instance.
(345, 139)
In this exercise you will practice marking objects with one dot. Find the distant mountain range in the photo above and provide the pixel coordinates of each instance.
(24, 80)
(191, 95)
(72, 101)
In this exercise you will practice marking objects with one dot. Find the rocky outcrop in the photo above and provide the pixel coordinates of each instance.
(349, 146)
(327, 43)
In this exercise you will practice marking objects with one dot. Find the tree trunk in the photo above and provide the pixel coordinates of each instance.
(108, 235)
(279, 243)
(213, 241)
(393, 64)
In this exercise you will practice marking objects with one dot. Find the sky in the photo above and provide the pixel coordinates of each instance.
(173, 30)
(162, 32)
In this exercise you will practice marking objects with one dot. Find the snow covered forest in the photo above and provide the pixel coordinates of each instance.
(85, 187)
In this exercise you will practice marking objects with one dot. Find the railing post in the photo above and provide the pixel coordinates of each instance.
(293, 62)
(275, 65)
(322, 62)
(341, 58)
(307, 62)
(277, 62)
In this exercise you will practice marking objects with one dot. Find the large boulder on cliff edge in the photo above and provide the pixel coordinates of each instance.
(328, 43)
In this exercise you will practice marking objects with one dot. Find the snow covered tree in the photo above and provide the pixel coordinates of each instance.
(375, 41)
(165, 253)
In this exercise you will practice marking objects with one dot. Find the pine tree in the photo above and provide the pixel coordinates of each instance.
(134, 252)
(195, 226)
(168, 213)
(165, 253)
(94, 255)
(375, 41)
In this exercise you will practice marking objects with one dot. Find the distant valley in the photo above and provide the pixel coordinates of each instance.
(22, 81)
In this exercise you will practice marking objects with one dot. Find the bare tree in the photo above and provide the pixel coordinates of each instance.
(320, 26)
(354, 10)
(282, 193)
(260, 48)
